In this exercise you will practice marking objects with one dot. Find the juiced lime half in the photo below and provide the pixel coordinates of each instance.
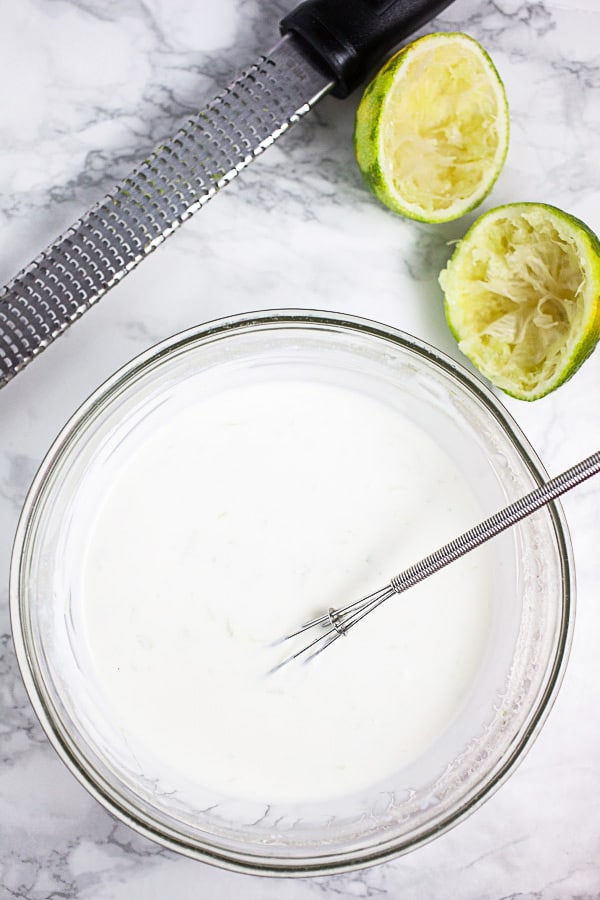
(523, 296)
(431, 131)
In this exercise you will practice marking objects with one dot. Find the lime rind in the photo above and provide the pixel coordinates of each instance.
(433, 124)
(522, 297)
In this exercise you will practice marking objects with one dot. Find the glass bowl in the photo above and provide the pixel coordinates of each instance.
(531, 606)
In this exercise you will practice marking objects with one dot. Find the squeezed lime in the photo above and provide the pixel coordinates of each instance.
(432, 128)
(522, 296)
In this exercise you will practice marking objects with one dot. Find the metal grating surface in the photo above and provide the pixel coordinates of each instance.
(180, 176)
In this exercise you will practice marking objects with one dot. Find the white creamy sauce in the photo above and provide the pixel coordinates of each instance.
(250, 511)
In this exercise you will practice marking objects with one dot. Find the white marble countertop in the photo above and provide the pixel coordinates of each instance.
(89, 86)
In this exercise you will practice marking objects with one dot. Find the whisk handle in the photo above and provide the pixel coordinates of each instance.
(497, 523)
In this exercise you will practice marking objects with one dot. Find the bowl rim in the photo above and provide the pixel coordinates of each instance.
(94, 782)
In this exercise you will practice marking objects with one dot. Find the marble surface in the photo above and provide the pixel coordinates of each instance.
(89, 86)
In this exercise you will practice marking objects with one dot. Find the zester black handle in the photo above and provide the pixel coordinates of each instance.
(349, 37)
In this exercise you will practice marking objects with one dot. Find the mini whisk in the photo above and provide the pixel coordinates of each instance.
(337, 622)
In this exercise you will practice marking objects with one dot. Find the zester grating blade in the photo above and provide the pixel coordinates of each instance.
(180, 176)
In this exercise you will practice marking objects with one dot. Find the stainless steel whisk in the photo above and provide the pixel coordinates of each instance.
(338, 622)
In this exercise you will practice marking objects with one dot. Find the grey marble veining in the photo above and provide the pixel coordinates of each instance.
(89, 87)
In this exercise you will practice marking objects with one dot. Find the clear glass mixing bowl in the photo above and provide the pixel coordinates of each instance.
(532, 608)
